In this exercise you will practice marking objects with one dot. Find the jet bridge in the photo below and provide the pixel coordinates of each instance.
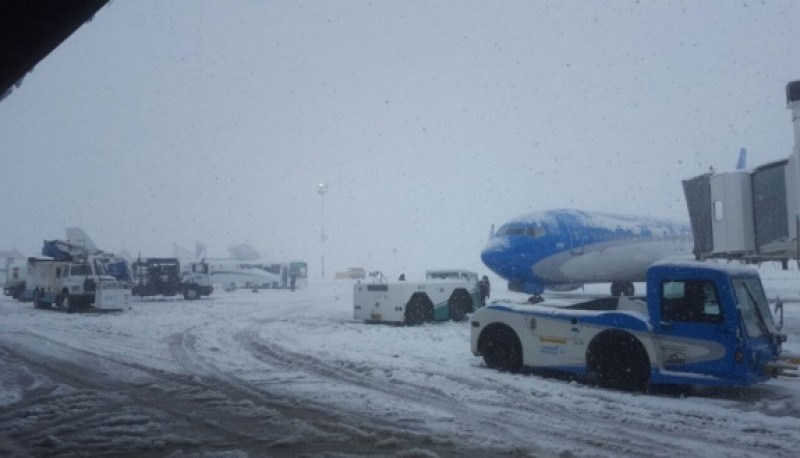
(750, 215)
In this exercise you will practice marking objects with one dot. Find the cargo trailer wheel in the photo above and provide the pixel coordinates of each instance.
(501, 348)
(459, 304)
(619, 361)
(418, 310)
(43, 304)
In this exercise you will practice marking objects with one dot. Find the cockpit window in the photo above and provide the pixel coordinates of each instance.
(530, 231)
(535, 232)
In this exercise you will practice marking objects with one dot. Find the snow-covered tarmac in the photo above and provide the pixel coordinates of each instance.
(280, 373)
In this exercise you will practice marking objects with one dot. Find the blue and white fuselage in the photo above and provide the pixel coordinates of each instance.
(564, 249)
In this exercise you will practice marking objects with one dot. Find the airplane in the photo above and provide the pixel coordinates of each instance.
(563, 249)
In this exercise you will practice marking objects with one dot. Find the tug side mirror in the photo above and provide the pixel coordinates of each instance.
(779, 308)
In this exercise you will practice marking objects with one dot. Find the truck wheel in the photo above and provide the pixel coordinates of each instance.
(459, 304)
(190, 293)
(418, 311)
(18, 291)
(501, 348)
(619, 361)
(35, 298)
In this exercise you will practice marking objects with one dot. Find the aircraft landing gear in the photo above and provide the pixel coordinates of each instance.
(622, 288)
(535, 299)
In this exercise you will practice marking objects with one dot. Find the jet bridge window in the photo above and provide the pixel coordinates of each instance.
(692, 301)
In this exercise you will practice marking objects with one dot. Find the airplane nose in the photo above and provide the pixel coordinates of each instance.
(505, 259)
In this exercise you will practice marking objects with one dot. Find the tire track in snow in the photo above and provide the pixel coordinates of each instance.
(360, 437)
(646, 431)
(220, 415)
(474, 422)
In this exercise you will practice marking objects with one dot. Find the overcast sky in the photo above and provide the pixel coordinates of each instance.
(182, 121)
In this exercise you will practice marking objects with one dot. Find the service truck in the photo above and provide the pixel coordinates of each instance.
(700, 324)
(447, 294)
(15, 276)
(164, 277)
(75, 284)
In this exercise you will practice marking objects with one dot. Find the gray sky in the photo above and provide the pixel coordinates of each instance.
(164, 122)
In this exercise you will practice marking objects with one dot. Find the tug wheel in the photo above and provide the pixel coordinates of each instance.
(418, 310)
(619, 361)
(501, 348)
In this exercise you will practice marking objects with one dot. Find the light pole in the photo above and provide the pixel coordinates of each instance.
(321, 189)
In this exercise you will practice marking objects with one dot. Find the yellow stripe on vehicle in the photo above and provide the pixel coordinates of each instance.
(554, 340)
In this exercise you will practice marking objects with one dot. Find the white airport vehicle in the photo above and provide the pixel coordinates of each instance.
(75, 284)
(166, 277)
(15, 276)
(291, 275)
(196, 280)
(446, 294)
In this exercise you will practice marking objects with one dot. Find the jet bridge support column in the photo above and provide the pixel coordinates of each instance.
(793, 169)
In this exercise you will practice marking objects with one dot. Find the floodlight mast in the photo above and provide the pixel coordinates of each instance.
(322, 188)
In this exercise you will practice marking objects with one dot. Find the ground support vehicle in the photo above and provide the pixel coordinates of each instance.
(700, 324)
(196, 281)
(75, 285)
(163, 277)
(291, 275)
(15, 276)
(443, 295)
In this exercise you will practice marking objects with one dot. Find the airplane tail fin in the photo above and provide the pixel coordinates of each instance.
(77, 236)
(199, 250)
(742, 162)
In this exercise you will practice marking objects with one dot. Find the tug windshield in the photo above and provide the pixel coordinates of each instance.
(754, 307)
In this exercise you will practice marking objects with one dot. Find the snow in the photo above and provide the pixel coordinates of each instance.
(280, 372)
